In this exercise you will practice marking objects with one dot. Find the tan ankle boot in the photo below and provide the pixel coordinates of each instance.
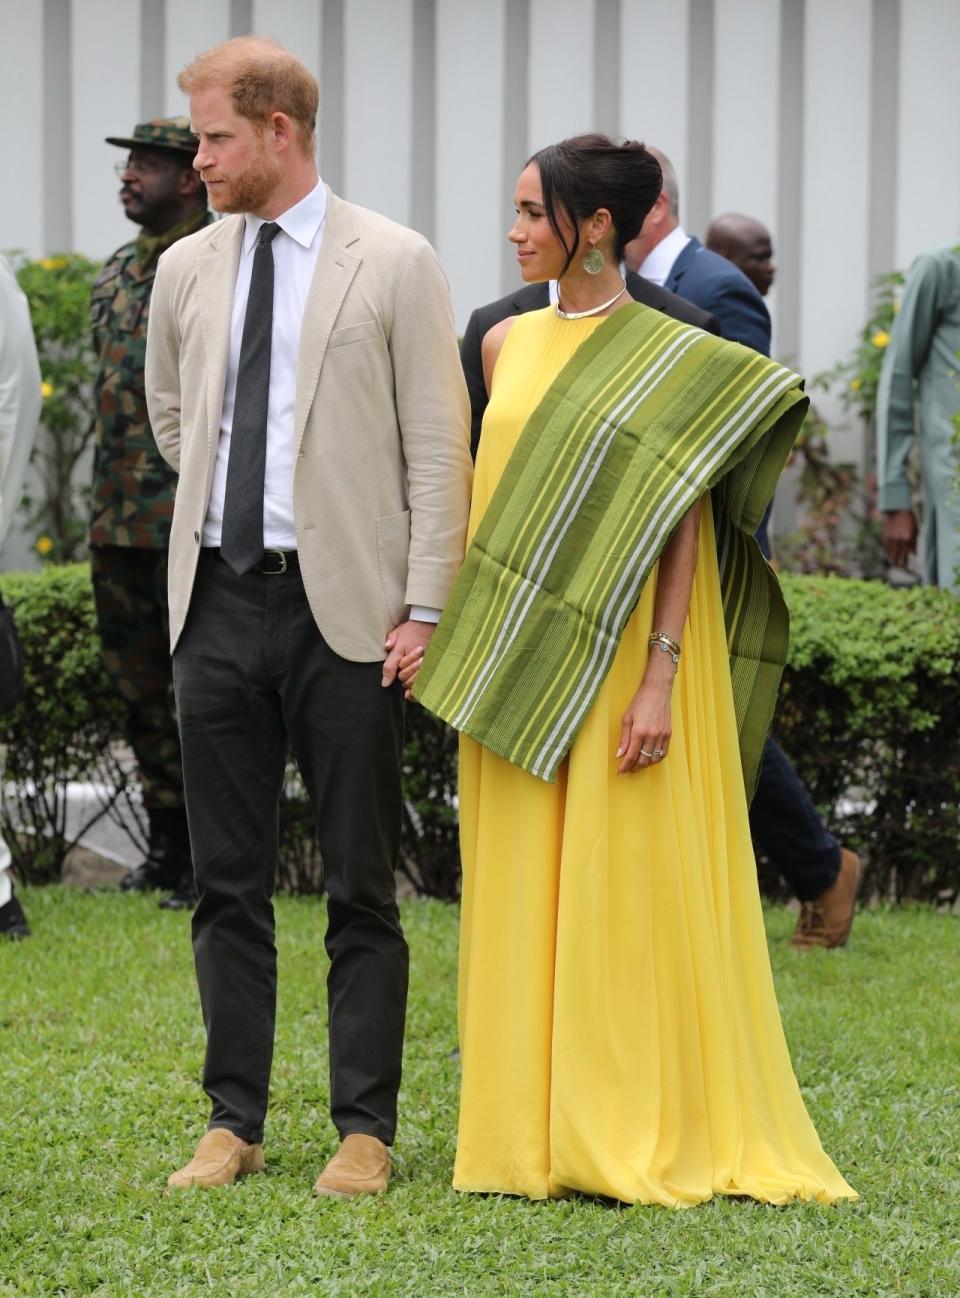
(827, 920)
(220, 1158)
(360, 1166)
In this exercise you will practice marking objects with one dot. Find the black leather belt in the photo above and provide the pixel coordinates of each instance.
(273, 563)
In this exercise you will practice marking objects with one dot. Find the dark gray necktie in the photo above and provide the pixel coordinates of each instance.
(241, 541)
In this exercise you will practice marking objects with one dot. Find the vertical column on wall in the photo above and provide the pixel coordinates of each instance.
(378, 61)
(654, 72)
(153, 42)
(790, 172)
(884, 151)
(297, 26)
(835, 200)
(58, 160)
(745, 106)
(241, 17)
(190, 28)
(331, 133)
(423, 137)
(562, 100)
(515, 105)
(928, 193)
(472, 217)
(606, 67)
(700, 89)
(22, 135)
(105, 60)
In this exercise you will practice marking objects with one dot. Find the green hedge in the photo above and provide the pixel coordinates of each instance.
(869, 714)
(62, 728)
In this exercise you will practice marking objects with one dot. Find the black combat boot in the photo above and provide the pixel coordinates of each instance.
(13, 922)
(168, 857)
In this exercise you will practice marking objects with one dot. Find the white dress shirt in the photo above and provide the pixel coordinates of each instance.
(295, 251)
(553, 288)
(658, 263)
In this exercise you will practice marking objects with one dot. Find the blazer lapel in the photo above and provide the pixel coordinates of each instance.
(216, 280)
(682, 265)
(334, 273)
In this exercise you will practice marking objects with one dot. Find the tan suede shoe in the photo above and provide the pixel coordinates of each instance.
(220, 1158)
(827, 920)
(360, 1166)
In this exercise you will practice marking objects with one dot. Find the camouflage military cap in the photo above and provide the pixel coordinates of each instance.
(172, 133)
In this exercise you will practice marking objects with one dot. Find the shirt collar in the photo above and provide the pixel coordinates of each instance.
(553, 288)
(301, 222)
(658, 262)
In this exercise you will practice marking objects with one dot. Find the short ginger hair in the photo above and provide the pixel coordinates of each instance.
(262, 78)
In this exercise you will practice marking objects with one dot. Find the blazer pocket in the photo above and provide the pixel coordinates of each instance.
(393, 548)
(354, 333)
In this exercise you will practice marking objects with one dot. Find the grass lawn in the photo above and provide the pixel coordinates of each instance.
(100, 1049)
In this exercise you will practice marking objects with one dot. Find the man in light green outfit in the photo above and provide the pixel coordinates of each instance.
(922, 364)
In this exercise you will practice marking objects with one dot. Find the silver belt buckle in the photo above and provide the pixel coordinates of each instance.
(275, 572)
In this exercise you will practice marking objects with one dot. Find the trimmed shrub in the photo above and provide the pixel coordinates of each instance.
(64, 725)
(869, 714)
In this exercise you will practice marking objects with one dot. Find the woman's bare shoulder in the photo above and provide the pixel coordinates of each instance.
(491, 344)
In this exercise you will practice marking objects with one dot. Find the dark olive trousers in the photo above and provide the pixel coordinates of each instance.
(252, 673)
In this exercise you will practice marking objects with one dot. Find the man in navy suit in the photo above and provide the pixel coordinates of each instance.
(666, 255)
(783, 819)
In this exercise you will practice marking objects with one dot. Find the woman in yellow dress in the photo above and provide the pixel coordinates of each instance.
(619, 1030)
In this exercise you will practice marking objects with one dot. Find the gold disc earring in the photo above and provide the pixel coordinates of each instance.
(593, 261)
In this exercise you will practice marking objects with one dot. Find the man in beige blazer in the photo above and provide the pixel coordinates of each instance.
(303, 378)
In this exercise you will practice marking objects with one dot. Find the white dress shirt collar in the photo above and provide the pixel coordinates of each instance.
(658, 262)
(301, 222)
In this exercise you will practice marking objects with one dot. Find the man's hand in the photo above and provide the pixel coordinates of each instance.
(406, 645)
(900, 536)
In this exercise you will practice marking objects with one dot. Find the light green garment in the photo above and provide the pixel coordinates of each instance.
(646, 416)
(924, 350)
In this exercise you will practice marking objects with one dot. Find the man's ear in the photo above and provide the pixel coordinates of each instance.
(190, 182)
(282, 130)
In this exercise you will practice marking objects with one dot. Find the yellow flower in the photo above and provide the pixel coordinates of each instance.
(46, 389)
(44, 545)
(53, 263)
(856, 385)
(880, 338)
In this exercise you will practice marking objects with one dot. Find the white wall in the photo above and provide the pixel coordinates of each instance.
(460, 92)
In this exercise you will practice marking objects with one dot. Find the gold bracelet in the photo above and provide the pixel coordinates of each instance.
(668, 639)
(665, 645)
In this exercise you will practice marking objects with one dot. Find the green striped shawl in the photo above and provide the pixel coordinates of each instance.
(646, 416)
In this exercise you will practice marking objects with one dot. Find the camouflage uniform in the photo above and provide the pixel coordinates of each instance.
(132, 508)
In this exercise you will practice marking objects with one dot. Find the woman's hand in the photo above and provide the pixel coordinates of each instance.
(646, 727)
(409, 666)
(406, 645)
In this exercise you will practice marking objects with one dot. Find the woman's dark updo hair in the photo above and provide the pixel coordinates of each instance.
(588, 172)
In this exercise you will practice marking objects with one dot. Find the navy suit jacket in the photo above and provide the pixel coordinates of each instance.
(533, 297)
(716, 285)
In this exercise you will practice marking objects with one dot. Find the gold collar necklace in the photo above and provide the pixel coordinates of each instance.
(594, 310)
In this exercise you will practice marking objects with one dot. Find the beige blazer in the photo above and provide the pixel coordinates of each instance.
(382, 471)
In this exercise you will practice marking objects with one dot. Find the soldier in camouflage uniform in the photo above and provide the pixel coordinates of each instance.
(133, 490)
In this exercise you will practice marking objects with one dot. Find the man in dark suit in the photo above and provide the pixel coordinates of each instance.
(665, 255)
(532, 297)
(784, 822)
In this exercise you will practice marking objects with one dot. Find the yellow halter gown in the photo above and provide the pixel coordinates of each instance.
(619, 1030)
